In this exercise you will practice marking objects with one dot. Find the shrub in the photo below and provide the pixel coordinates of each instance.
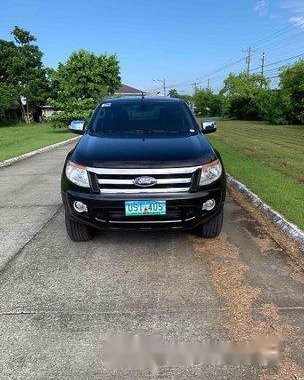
(64, 118)
(276, 108)
(292, 89)
(207, 103)
(246, 96)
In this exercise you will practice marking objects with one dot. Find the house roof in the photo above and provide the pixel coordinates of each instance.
(124, 89)
(137, 99)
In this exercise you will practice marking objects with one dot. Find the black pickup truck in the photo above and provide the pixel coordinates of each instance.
(143, 163)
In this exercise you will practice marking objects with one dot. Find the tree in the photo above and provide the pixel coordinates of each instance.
(186, 98)
(7, 97)
(276, 107)
(22, 37)
(81, 82)
(247, 96)
(86, 76)
(208, 103)
(173, 93)
(292, 92)
(22, 74)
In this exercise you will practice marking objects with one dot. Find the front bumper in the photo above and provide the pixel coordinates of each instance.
(184, 210)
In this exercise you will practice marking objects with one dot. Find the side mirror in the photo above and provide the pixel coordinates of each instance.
(77, 126)
(208, 127)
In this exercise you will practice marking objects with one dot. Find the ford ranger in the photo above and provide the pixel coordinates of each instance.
(143, 163)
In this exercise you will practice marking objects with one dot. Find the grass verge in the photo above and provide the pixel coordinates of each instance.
(17, 139)
(260, 156)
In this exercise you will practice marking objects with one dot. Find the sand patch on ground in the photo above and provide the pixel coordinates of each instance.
(247, 319)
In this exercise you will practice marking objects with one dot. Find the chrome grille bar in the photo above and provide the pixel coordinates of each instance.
(165, 181)
(107, 171)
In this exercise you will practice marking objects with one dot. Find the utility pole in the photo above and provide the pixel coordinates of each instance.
(163, 82)
(248, 58)
(262, 69)
(164, 86)
(208, 86)
(263, 64)
(195, 85)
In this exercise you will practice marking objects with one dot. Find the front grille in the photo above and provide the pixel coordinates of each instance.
(118, 215)
(168, 180)
(174, 214)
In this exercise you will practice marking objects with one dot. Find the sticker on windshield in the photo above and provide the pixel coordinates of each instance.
(106, 105)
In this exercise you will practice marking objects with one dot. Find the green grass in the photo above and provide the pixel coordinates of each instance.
(269, 159)
(16, 139)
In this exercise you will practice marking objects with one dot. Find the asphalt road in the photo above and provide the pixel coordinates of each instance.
(60, 301)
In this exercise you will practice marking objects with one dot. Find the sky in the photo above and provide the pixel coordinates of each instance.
(181, 41)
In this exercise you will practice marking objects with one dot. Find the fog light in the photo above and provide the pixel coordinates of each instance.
(80, 207)
(208, 205)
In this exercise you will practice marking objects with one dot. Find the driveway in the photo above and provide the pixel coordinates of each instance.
(29, 196)
(60, 300)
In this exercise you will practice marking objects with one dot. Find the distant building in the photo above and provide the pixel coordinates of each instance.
(47, 111)
(154, 93)
(125, 90)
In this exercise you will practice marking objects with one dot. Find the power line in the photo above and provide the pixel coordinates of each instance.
(285, 60)
(281, 61)
(277, 34)
(281, 43)
(274, 69)
(226, 65)
(273, 35)
(278, 68)
(248, 59)
(287, 44)
(207, 74)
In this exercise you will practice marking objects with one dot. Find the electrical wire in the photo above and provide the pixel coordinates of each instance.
(276, 35)
(281, 61)
(228, 64)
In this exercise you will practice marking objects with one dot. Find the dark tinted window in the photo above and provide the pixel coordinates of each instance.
(144, 117)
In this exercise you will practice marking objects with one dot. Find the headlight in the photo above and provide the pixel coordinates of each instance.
(210, 172)
(77, 174)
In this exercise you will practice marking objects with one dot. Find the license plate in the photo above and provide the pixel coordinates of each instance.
(140, 208)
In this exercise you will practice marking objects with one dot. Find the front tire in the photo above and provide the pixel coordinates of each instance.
(78, 231)
(211, 228)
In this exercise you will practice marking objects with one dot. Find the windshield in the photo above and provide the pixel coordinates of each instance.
(143, 118)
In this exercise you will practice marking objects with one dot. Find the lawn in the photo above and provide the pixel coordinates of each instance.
(19, 138)
(269, 159)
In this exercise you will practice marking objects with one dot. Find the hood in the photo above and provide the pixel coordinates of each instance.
(139, 152)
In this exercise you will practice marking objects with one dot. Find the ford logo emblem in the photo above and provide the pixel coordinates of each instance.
(145, 181)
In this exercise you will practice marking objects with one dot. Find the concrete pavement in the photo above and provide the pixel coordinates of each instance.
(29, 196)
(59, 299)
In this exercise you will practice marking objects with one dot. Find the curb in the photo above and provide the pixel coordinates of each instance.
(11, 161)
(286, 227)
